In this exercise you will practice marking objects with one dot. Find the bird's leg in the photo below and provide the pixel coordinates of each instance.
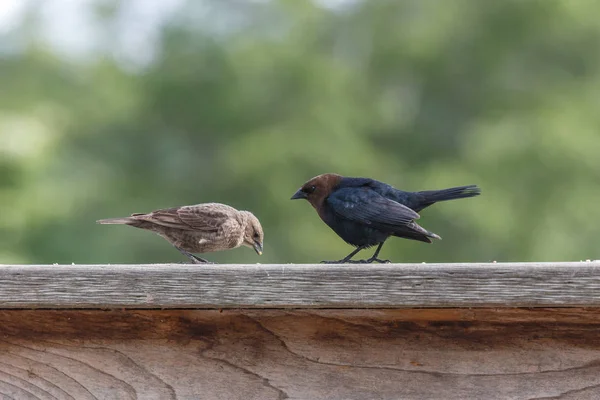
(347, 259)
(374, 256)
(193, 258)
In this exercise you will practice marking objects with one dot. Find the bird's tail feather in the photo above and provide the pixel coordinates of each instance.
(116, 221)
(460, 192)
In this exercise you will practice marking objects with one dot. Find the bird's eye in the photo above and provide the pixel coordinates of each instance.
(311, 189)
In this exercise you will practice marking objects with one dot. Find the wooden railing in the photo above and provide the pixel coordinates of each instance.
(395, 331)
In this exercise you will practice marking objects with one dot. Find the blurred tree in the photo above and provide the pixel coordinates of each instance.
(244, 101)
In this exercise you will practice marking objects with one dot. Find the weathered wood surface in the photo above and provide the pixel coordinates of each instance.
(300, 286)
(445, 354)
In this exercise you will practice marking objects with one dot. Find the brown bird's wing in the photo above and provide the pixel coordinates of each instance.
(207, 217)
(369, 208)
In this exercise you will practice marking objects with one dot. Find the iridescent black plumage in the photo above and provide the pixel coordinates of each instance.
(365, 212)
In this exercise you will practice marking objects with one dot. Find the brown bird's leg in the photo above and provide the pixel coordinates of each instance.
(347, 259)
(195, 259)
(374, 257)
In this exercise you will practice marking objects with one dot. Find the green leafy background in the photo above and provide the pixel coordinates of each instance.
(241, 102)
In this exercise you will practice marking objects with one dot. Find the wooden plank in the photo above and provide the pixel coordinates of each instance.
(434, 354)
(300, 286)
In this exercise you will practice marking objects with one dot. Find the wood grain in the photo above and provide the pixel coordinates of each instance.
(300, 286)
(406, 354)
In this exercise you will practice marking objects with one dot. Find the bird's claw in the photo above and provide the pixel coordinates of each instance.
(367, 261)
(344, 262)
(377, 260)
(198, 260)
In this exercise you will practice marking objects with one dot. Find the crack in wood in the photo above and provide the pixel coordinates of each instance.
(18, 389)
(592, 364)
(281, 394)
(128, 388)
(23, 384)
(123, 359)
(57, 371)
(32, 375)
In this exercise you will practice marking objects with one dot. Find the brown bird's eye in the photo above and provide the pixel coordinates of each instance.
(311, 189)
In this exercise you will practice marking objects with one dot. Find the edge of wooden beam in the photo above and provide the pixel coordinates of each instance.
(220, 286)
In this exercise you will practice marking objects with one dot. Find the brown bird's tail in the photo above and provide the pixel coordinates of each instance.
(117, 221)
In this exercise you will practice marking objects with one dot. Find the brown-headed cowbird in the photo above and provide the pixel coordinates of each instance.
(365, 212)
(201, 228)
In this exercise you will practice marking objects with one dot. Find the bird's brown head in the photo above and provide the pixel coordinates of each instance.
(317, 189)
(253, 233)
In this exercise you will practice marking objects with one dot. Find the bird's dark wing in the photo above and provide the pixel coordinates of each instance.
(370, 208)
(207, 217)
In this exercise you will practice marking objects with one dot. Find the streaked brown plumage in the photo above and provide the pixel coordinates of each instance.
(200, 228)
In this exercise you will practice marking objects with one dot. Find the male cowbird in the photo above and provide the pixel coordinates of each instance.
(201, 228)
(365, 212)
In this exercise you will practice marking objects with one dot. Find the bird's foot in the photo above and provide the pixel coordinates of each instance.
(344, 262)
(377, 260)
(367, 261)
(199, 260)
(202, 261)
(194, 259)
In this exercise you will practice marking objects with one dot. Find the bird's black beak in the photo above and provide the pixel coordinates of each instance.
(258, 247)
(299, 195)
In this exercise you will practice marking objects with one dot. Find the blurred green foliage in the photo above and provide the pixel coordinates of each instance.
(246, 100)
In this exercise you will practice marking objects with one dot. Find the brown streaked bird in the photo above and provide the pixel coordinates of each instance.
(200, 228)
(365, 212)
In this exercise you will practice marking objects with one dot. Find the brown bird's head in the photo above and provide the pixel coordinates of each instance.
(253, 233)
(317, 189)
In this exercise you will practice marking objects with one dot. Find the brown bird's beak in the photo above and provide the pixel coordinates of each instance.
(299, 195)
(258, 247)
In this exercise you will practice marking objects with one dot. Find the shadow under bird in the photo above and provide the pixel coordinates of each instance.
(200, 228)
(365, 212)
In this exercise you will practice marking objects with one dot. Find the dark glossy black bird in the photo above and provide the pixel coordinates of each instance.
(365, 212)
